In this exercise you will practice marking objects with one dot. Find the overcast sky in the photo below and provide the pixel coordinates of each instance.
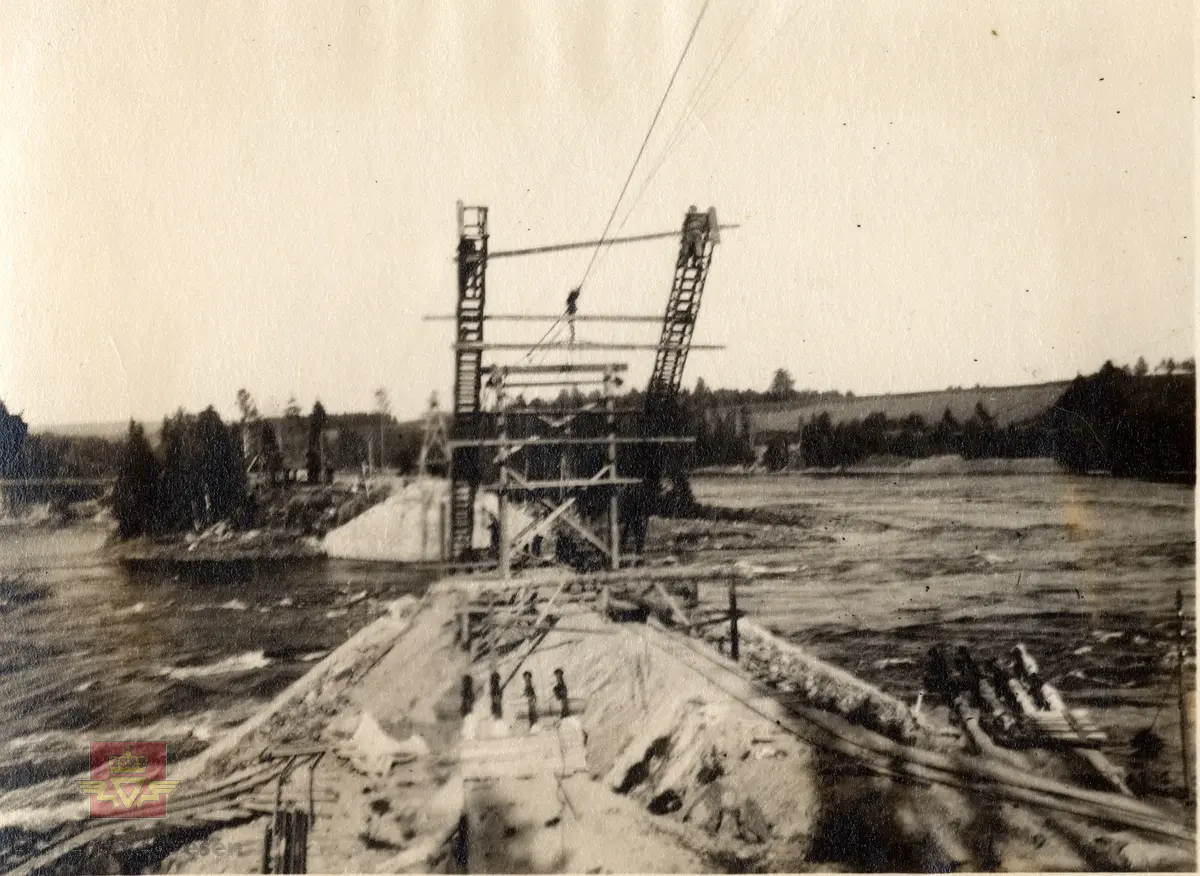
(197, 197)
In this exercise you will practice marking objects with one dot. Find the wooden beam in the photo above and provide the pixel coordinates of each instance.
(564, 367)
(567, 412)
(517, 443)
(581, 346)
(533, 530)
(550, 384)
(57, 482)
(565, 484)
(680, 616)
(587, 244)
(549, 317)
(640, 574)
(734, 647)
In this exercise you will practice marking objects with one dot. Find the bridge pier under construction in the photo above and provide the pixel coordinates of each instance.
(587, 471)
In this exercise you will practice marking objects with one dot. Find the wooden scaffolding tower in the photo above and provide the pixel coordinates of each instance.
(583, 473)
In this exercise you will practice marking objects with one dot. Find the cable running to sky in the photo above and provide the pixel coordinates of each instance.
(573, 296)
(645, 140)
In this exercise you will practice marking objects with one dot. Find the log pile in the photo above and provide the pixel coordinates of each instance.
(1009, 705)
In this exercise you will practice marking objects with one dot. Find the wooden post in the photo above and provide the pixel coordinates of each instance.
(604, 600)
(614, 530)
(733, 619)
(444, 529)
(494, 637)
(505, 545)
(425, 499)
(614, 519)
(505, 557)
(1183, 707)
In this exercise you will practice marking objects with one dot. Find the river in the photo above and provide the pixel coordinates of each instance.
(93, 650)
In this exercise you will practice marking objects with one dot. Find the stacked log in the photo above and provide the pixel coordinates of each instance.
(1012, 706)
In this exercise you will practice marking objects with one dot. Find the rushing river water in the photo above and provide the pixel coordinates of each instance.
(93, 650)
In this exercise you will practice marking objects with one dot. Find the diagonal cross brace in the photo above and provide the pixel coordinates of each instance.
(574, 525)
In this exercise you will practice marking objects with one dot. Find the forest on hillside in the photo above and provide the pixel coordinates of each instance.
(1123, 420)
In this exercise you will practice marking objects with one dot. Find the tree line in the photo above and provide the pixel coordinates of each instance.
(39, 457)
(322, 443)
(1124, 420)
(1129, 420)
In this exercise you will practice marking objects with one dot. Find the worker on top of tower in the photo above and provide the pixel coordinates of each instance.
(694, 228)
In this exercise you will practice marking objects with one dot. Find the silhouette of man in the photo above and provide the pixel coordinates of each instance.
(530, 697)
(560, 693)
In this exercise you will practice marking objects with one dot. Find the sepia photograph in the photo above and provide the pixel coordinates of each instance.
(621, 436)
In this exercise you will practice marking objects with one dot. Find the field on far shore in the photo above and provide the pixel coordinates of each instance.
(1083, 570)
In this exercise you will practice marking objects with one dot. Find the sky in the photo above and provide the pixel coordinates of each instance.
(199, 197)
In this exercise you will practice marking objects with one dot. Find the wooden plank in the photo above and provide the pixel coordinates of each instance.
(570, 441)
(604, 241)
(550, 317)
(584, 346)
(559, 368)
(564, 484)
(676, 611)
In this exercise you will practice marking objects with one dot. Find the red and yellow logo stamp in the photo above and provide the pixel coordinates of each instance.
(129, 780)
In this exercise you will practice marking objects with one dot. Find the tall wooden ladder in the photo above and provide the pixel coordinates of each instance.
(662, 415)
(698, 238)
(472, 288)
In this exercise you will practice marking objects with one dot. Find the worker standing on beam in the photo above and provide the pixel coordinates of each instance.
(572, 309)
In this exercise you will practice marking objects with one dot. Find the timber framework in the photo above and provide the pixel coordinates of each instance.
(585, 474)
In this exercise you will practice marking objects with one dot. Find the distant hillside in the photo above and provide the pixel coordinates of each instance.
(1007, 404)
(113, 430)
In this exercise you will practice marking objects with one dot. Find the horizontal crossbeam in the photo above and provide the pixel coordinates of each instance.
(563, 484)
(566, 412)
(586, 244)
(549, 317)
(562, 381)
(621, 439)
(583, 346)
(564, 368)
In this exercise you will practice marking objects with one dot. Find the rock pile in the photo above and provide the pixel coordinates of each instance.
(812, 682)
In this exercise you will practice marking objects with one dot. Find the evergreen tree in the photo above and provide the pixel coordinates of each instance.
(13, 434)
(947, 434)
(177, 503)
(272, 456)
(220, 480)
(313, 459)
(979, 434)
(136, 486)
